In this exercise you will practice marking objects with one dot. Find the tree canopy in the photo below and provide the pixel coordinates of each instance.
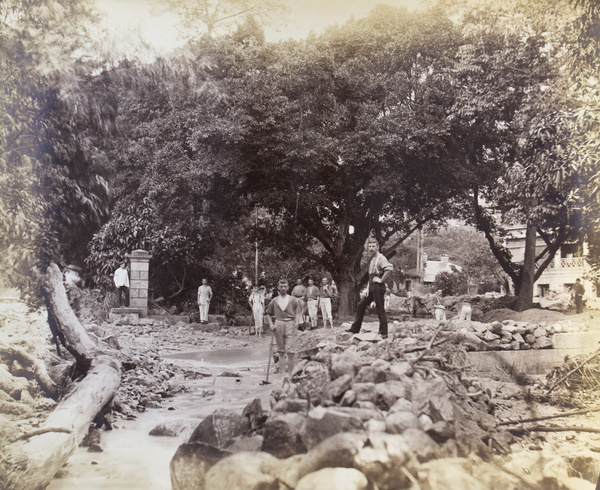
(378, 126)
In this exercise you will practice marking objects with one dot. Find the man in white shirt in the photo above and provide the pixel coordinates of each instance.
(326, 293)
(257, 303)
(284, 314)
(312, 300)
(121, 278)
(204, 296)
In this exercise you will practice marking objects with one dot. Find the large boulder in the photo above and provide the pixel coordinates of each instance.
(220, 428)
(281, 435)
(172, 428)
(322, 423)
(190, 463)
(335, 479)
(244, 471)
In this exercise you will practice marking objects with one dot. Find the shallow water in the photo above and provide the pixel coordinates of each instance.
(231, 357)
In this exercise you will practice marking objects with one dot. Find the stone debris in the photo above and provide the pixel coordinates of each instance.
(389, 415)
(361, 412)
(478, 336)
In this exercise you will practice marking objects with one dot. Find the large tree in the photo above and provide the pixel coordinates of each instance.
(346, 134)
(382, 124)
(536, 180)
(53, 179)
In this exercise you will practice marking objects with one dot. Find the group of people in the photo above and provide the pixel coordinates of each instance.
(309, 300)
(312, 298)
(286, 312)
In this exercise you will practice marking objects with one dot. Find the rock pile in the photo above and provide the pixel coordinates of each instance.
(147, 379)
(359, 415)
(478, 336)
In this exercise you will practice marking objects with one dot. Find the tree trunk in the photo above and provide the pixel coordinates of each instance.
(348, 292)
(66, 426)
(348, 289)
(525, 286)
(43, 454)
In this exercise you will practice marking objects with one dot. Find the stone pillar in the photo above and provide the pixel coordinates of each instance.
(139, 265)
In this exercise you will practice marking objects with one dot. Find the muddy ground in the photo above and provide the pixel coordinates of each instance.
(175, 375)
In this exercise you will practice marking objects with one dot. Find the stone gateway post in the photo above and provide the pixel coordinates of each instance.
(139, 263)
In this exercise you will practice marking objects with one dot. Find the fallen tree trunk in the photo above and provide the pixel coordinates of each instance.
(66, 426)
(33, 462)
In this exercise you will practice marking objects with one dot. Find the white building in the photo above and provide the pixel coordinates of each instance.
(568, 264)
(428, 270)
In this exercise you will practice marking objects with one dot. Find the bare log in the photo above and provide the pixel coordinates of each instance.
(42, 455)
(76, 339)
(68, 424)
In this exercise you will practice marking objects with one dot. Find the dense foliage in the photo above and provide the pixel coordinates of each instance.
(298, 149)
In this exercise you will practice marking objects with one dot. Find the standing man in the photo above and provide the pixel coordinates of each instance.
(204, 296)
(438, 306)
(121, 279)
(287, 311)
(299, 292)
(465, 311)
(577, 293)
(312, 300)
(327, 292)
(380, 271)
(257, 303)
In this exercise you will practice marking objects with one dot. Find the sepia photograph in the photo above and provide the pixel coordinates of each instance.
(300, 244)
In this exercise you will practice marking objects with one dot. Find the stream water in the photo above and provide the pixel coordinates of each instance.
(132, 459)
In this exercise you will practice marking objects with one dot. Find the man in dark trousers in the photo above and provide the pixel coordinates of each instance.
(578, 292)
(380, 271)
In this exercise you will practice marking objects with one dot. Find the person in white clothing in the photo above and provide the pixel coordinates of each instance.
(121, 278)
(204, 296)
(312, 300)
(465, 311)
(257, 303)
(326, 293)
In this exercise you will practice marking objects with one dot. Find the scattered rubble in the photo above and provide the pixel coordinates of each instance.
(402, 413)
